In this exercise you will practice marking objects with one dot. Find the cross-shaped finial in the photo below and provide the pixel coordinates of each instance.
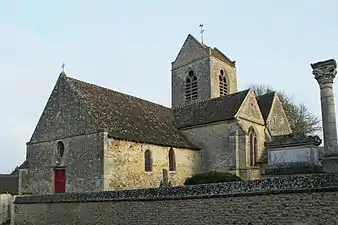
(63, 67)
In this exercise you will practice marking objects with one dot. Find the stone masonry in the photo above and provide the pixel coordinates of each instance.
(124, 165)
(105, 133)
(198, 57)
(289, 200)
(325, 73)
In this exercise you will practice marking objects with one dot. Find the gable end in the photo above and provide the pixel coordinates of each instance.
(64, 115)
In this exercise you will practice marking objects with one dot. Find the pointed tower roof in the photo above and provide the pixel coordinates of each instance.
(218, 54)
(215, 52)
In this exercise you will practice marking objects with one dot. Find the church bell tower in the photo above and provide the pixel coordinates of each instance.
(200, 73)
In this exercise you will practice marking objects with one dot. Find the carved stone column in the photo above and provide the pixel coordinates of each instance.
(325, 73)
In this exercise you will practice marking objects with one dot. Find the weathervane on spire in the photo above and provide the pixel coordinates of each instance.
(63, 67)
(202, 31)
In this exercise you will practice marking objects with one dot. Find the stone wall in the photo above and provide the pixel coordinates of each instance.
(82, 159)
(249, 116)
(201, 67)
(124, 166)
(290, 200)
(230, 72)
(217, 151)
(5, 208)
(192, 56)
(277, 121)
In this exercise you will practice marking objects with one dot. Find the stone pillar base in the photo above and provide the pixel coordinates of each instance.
(330, 163)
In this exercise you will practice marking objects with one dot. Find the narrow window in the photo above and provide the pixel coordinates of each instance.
(252, 155)
(252, 147)
(148, 167)
(172, 160)
(191, 86)
(223, 86)
(255, 150)
(60, 148)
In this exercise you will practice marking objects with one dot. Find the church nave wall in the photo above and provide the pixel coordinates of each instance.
(124, 164)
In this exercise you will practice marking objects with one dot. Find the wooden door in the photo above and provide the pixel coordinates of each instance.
(60, 180)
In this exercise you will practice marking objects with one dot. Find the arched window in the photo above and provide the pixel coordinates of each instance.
(223, 86)
(148, 164)
(172, 160)
(60, 149)
(252, 146)
(191, 86)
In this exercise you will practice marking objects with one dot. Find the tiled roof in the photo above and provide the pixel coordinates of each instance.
(216, 52)
(130, 118)
(292, 140)
(265, 103)
(212, 110)
(9, 183)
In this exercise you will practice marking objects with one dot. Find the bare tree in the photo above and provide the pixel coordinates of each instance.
(300, 118)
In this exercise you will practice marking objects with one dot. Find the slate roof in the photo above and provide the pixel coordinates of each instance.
(212, 110)
(265, 103)
(130, 118)
(216, 53)
(9, 183)
(293, 139)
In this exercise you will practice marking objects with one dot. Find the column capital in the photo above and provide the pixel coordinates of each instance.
(324, 71)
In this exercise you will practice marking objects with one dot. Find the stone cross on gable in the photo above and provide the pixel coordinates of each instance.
(63, 67)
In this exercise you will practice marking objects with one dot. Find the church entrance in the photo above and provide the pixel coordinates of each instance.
(60, 180)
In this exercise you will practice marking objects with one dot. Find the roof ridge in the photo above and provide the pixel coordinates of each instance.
(211, 99)
(212, 110)
(129, 95)
(267, 93)
(215, 52)
(215, 48)
(202, 44)
(262, 101)
(238, 92)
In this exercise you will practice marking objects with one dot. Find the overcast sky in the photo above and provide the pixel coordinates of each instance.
(128, 46)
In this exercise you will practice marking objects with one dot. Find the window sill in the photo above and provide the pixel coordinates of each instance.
(172, 172)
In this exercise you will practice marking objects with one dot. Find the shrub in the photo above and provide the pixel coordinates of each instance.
(211, 177)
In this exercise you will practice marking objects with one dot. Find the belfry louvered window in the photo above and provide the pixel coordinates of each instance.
(223, 86)
(191, 86)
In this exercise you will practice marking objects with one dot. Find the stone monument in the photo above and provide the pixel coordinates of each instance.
(292, 154)
(325, 72)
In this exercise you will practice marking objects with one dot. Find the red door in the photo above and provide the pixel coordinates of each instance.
(60, 180)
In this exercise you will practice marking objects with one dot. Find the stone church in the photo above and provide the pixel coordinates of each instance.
(91, 138)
